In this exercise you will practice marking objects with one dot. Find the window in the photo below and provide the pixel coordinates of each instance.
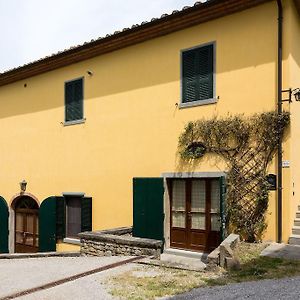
(73, 215)
(74, 100)
(198, 75)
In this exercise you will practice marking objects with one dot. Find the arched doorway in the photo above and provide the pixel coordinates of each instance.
(26, 225)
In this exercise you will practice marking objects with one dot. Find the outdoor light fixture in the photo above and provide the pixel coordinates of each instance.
(291, 92)
(90, 73)
(296, 93)
(23, 185)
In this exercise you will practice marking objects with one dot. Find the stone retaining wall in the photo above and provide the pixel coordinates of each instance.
(118, 242)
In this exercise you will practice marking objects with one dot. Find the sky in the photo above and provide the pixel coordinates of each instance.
(32, 29)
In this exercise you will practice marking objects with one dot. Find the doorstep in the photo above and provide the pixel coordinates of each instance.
(186, 253)
(179, 259)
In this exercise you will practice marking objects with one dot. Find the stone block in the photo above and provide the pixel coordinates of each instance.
(232, 263)
(225, 252)
(108, 253)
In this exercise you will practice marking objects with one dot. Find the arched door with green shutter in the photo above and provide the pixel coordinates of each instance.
(3, 226)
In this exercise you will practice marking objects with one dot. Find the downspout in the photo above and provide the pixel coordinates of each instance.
(279, 108)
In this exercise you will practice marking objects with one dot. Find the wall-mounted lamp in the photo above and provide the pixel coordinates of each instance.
(90, 73)
(23, 185)
(291, 92)
(296, 93)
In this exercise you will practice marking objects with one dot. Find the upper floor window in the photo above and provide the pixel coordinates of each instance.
(198, 75)
(74, 100)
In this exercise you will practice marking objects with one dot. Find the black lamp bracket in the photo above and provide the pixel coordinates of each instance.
(289, 92)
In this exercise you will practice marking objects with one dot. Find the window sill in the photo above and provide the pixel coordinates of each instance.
(71, 241)
(198, 103)
(75, 122)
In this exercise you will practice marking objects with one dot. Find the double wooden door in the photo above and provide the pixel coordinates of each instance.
(195, 213)
(26, 226)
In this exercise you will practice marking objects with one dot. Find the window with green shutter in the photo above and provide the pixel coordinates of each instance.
(73, 215)
(74, 100)
(198, 74)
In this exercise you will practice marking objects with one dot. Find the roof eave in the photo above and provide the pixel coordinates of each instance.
(186, 18)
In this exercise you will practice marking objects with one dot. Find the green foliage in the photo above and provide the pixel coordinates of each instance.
(248, 145)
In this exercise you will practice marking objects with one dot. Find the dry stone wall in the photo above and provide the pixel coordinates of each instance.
(118, 242)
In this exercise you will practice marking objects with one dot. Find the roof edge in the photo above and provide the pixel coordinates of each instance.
(197, 14)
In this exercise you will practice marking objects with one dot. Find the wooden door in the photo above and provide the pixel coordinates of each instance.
(26, 226)
(195, 214)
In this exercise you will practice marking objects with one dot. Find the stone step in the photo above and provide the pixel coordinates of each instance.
(296, 230)
(294, 239)
(297, 222)
(298, 214)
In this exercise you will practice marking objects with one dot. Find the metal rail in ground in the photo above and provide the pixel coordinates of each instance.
(71, 278)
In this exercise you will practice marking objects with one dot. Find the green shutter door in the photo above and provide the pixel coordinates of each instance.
(223, 207)
(47, 225)
(86, 214)
(148, 208)
(3, 226)
(60, 218)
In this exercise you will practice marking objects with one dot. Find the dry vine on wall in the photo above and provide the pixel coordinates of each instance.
(247, 145)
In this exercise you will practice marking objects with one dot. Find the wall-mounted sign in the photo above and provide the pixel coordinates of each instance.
(272, 181)
(286, 163)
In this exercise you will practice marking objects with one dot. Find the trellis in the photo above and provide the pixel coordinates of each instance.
(247, 145)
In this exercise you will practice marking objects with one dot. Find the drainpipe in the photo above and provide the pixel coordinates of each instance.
(279, 107)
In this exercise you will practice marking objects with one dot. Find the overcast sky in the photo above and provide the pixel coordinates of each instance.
(31, 29)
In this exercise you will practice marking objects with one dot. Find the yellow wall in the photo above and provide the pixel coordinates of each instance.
(292, 38)
(132, 121)
(64, 247)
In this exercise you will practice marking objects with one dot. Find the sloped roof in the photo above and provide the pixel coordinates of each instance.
(167, 23)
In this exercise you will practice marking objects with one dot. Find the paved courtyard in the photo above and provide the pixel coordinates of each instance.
(22, 274)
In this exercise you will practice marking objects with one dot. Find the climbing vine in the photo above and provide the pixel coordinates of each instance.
(247, 145)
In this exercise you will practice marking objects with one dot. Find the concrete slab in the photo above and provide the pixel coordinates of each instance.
(185, 253)
(276, 250)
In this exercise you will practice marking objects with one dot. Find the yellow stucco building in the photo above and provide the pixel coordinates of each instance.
(78, 126)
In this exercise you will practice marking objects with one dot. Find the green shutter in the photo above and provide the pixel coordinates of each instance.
(223, 207)
(74, 100)
(60, 218)
(198, 74)
(86, 214)
(148, 208)
(47, 225)
(190, 84)
(3, 226)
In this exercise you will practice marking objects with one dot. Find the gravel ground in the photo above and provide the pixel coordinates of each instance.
(21, 274)
(88, 288)
(287, 289)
